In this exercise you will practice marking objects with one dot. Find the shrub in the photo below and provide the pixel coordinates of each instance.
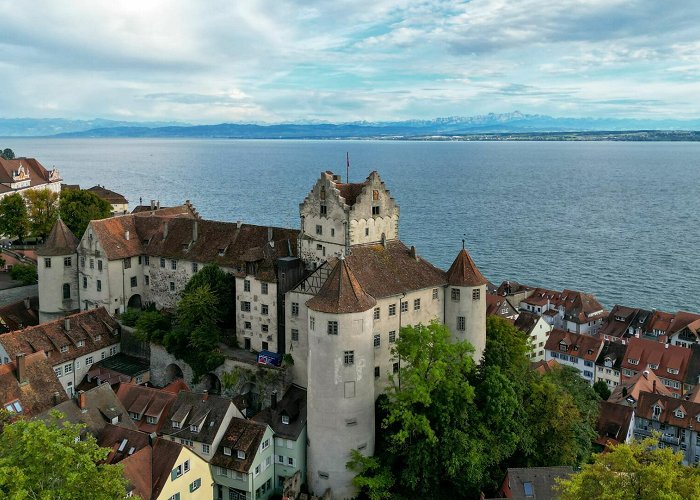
(24, 273)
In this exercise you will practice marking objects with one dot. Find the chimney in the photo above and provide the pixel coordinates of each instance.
(26, 303)
(666, 346)
(153, 204)
(653, 386)
(152, 439)
(646, 374)
(273, 400)
(165, 230)
(238, 224)
(269, 234)
(126, 235)
(56, 398)
(158, 205)
(66, 324)
(20, 365)
(195, 230)
(205, 396)
(413, 252)
(81, 401)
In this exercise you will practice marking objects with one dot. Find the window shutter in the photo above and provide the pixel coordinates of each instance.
(173, 474)
(191, 487)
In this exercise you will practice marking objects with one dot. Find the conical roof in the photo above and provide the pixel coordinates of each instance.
(341, 293)
(463, 271)
(61, 241)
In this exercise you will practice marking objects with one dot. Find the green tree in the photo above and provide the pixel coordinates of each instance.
(373, 479)
(79, 207)
(222, 285)
(14, 220)
(45, 461)
(42, 211)
(8, 154)
(152, 326)
(24, 273)
(636, 471)
(602, 389)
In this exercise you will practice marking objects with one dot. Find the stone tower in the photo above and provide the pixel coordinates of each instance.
(340, 381)
(465, 303)
(337, 215)
(57, 268)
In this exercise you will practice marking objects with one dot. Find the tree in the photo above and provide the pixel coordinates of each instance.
(373, 479)
(43, 461)
(42, 208)
(24, 273)
(602, 389)
(13, 216)
(222, 285)
(8, 154)
(152, 326)
(635, 471)
(78, 207)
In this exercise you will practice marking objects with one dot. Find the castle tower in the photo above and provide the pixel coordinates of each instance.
(336, 215)
(57, 268)
(465, 303)
(340, 387)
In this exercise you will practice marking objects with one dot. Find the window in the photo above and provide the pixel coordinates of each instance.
(404, 307)
(435, 293)
(376, 313)
(67, 262)
(66, 291)
(375, 210)
(295, 309)
(133, 281)
(47, 262)
(366, 231)
(319, 229)
(395, 367)
(324, 209)
(392, 309)
(147, 280)
(461, 323)
(332, 328)
(264, 309)
(588, 363)
(455, 294)
(84, 282)
(194, 485)
(392, 336)
(88, 361)
(127, 263)
(332, 232)
(112, 350)
(295, 335)
(246, 285)
(176, 424)
(290, 461)
(240, 454)
(265, 328)
(263, 288)
(146, 260)
(265, 346)
(58, 371)
(98, 284)
(265, 444)
(416, 304)
(349, 357)
(563, 347)
(377, 340)
(103, 355)
(633, 361)
(176, 496)
(529, 490)
(245, 306)
(172, 286)
(312, 323)
(64, 348)
(323, 474)
(476, 294)
(194, 428)
(99, 265)
(205, 448)
(679, 413)
(227, 451)
(186, 465)
(162, 262)
(68, 368)
(656, 412)
(376, 372)
(257, 470)
(248, 325)
(195, 267)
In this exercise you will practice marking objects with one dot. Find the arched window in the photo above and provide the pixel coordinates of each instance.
(66, 291)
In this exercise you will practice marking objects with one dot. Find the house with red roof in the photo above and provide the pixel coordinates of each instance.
(669, 362)
(22, 174)
(575, 350)
(568, 310)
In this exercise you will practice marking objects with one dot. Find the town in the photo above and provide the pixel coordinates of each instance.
(227, 360)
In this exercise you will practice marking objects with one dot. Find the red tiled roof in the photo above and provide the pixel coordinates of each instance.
(613, 423)
(147, 401)
(463, 271)
(577, 345)
(243, 435)
(639, 383)
(341, 293)
(20, 314)
(666, 356)
(61, 241)
(669, 405)
(108, 195)
(37, 173)
(41, 391)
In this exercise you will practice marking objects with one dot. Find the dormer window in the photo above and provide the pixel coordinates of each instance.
(656, 412)
(285, 419)
(590, 351)
(240, 454)
(98, 338)
(227, 451)
(176, 424)
(679, 413)
(194, 428)
(152, 420)
(633, 361)
(563, 346)
(64, 348)
(653, 366)
(81, 343)
(222, 251)
(672, 371)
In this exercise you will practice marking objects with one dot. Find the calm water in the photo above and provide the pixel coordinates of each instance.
(619, 220)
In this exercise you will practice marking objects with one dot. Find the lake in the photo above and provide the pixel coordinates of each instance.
(620, 220)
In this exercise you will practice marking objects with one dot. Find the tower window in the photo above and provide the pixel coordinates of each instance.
(349, 357)
(435, 293)
(376, 313)
(67, 262)
(476, 294)
(392, 309)
(376, 372)
(404, 307)
(246, 285)
(66, 291)
(319, 229)
(333, 330)
(324, 209)
(366, 231)
(375, 210)
(392, 336)
(416, 304)
(377, 340)
(47, 262)
(461, 323)
(455, 294)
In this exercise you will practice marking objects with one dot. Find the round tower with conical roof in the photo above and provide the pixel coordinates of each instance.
(340, 388)
(465, 303)
(57, 268)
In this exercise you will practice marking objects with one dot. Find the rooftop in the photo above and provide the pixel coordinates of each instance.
(39, 389)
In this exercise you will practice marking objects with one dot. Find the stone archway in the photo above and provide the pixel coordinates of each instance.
(211, 383)
(134, 302)
(173, 372)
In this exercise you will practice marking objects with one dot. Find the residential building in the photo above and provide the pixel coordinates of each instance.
(537, 330)
(669, 362)
(95, 408)
(684, 329)
(148, 407)
(514, 292)
(676, 420)
(72, 344)
(624, 322)
(199, 421)
(627, 393)
(243, 462)
(575, 350)
(20, 314)
(156, 468)
(57, 267)
(120, 205)
(609, 363)
(568, 310)
(615, 424)
(29, 386)
(23, 174)
(499, 306)
(287, 419)
(118, 369)
(532, 482)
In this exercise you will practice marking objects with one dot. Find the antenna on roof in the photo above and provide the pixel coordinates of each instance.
(347, 167)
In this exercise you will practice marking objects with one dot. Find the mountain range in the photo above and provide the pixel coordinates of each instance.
(448, 127)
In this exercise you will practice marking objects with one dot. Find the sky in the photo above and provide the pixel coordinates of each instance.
(212, 61)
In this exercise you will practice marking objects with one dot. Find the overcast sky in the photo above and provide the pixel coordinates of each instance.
(209, 61)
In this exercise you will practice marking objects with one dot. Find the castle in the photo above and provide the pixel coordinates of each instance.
(334, 294)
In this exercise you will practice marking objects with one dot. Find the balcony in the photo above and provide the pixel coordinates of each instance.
(673, 440)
